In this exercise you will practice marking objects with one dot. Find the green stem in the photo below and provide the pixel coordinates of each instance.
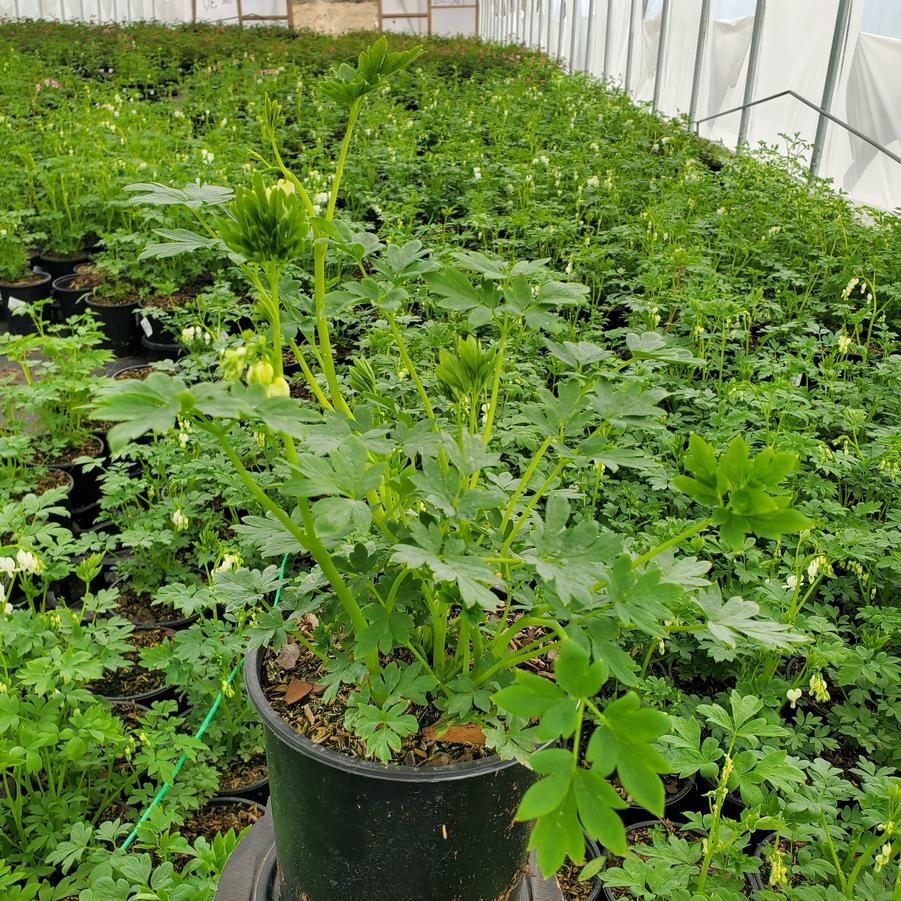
(308, 375)
(342, 157)
(531, 505)
(530, 652)
(307, 540)
(496, 383)
(672, 542)
(411, 368)
(848, 890)
(523, 483)
(835, 862)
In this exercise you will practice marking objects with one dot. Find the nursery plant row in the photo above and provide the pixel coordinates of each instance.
(542, 460)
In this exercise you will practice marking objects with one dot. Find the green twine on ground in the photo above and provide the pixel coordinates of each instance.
(164, 788)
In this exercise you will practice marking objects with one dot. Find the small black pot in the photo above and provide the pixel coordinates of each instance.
(163, 693)
(58, 266)
(161, 350)
(69, 301)
(257, 791)
(86, 492)
(349, 828)
(18, 293)
(681, 800)
(119, 325)
(155, 328)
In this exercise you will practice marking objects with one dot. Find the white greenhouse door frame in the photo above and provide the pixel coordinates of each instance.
(430, 17)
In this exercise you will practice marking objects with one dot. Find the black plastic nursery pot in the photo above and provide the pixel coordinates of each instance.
(684, 798)
(119, 326)
(14, 294)
(58, 265)
(69, 301)
(348, 828)
(161, 349)
(85, 493)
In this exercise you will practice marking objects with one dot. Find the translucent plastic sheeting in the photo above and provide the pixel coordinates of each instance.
(450, 19)
(124, 11)
(405, 16)
(869, 99)
(795, 43)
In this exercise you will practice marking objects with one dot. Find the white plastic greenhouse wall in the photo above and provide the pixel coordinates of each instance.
(169, 11)
(790, 49)
(747, 50)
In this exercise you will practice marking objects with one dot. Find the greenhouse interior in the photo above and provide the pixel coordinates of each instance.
(450, 451)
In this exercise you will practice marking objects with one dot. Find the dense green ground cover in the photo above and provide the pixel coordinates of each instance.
(750, 302)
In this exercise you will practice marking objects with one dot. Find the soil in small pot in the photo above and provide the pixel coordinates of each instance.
(141, 610)
(295, 694)
(126, 300)
(130, 712)
(134, 372)
(242, 773)
(90, 447)
(134, 680)
(84, 281)
(571, 887)
(33, 279)
(213, 819)
(47, 479)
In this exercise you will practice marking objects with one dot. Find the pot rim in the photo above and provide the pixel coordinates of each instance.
(253, 664)
(27, 283)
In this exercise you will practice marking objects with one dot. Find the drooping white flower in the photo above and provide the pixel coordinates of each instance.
(844, 343)
(794, 695)
(179, 520)
(814, 567)
(7, 566)
(791, 582)
(476, 173)
(28, 562)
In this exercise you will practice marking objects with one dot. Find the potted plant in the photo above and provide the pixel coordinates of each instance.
(59, 370)
(114, 301)
(456, 610)
(20, 285)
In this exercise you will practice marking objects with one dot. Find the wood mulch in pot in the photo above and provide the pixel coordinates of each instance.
(295, 694)
(142, 610)
(241, 773)
(571, 887)
(209, 821)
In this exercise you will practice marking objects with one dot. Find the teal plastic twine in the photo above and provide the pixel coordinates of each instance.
(164, 788)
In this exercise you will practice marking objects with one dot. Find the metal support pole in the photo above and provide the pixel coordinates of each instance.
(589, 36)
(608, 37)
(839, 37)
(560, 19)
(661, 51)
(700, 53)
(532, 22)
(547, 28)
(572, 36)
(630, 45)
(751, 75)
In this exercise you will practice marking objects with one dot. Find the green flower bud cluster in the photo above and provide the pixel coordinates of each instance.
(268, 224)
